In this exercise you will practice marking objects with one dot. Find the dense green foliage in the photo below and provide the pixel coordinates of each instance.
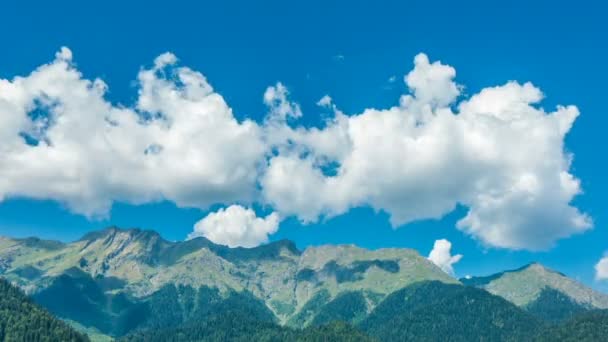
(116, 314)
(347, 307)
(554, 306)
(76, 296)
(236, 327)
(22, 320)
(173, 306)
(586, 327)
(427, 311)
(434, 311)
(310, 309)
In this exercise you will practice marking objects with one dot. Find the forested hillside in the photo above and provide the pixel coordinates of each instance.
(21, 320)
(433, 311)
(587, 327)
(425, 311)
(238, 328)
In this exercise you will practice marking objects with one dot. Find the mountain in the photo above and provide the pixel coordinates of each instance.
(435, 311)
(134, 285)
(22, 320)
(546, 293)
(123, 280)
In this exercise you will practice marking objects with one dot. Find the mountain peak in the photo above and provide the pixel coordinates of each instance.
(539, 268)
(536, 266)
(112, 231)
(35, 242)
(284, 244)
(533, 266)
(524, 285)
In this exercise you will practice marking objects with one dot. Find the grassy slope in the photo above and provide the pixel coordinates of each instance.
(525, 285)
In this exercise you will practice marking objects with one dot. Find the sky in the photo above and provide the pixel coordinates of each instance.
(474, 127)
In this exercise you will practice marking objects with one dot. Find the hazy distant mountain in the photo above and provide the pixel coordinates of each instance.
(115, 279)
(544, 292)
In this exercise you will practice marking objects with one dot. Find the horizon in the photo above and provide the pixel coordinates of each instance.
(470, 133)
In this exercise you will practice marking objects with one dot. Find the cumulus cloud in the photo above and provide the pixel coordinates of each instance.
(601, 269)
(441, 255)
(325, 101)
(496, 153)
(275, 98)
(236, 226)
(61, 140)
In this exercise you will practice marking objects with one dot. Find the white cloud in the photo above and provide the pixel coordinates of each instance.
(496, 153)
(64, 54)
(275, 98)
(441, 255)
(325, 101)
(177, 144)
(601, 269)
(499, 155)
(432, 83)
(236, 226)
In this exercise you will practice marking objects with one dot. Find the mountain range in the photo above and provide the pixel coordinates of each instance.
(135, 285)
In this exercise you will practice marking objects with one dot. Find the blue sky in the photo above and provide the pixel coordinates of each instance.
(349, 50)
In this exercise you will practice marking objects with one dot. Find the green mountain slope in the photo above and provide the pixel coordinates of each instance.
(544, 292)
(22, 320)
(169, 307)
(434, 311)
(110, 275)
(554, 306)
(128, 282)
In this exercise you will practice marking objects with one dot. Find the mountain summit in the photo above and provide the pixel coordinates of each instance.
(541, 290)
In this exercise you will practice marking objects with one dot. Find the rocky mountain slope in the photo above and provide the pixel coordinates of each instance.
(114, 269)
